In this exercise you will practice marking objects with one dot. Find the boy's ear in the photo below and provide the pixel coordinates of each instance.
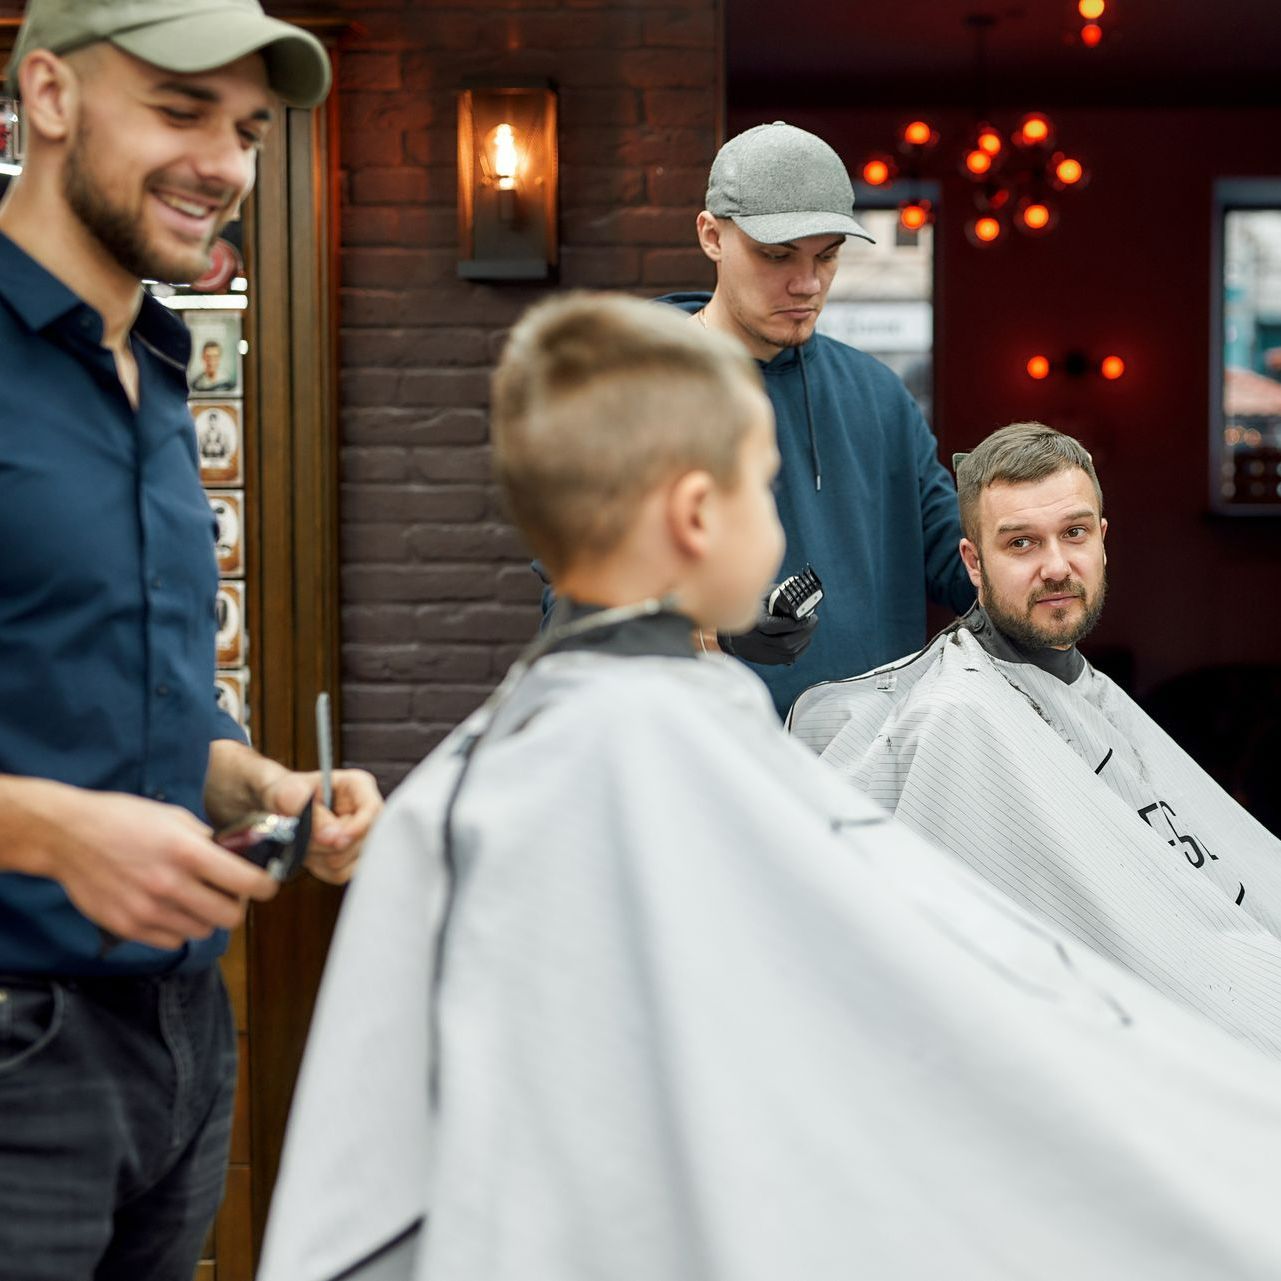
(970, 555)
(689, 513)
(709, 236)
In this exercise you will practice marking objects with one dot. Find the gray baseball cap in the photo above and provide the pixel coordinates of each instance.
(185, 36)
(779, 183)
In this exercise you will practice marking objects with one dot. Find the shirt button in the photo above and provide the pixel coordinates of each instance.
(157, 583)
(163, 691)
(158, 794)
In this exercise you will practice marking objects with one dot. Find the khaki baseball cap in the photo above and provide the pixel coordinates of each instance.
(780, 183)
(185, 36)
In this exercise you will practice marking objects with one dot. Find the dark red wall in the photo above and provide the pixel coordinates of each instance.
(1127, 270)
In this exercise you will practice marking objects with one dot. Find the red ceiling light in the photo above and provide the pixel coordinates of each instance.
(1014, 171)
(1038, 367)
(1112, 367)
(1091, 35)
(1068, 171)
(919, 133)
(914, 214)
(985, 231)
(1034, 130)
(987, 139)
(1035, 216)
(878, 171)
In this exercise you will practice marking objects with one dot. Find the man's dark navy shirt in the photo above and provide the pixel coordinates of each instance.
(107, 591)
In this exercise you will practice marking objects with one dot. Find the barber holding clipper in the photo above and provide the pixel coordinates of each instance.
(862, 495)
(117, 1048)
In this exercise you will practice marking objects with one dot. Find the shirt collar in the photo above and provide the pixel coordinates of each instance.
(40, 300)
(1065, 664)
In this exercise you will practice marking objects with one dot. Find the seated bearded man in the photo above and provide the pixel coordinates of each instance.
(1001, 743)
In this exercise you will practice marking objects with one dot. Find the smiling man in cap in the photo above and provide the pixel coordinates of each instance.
(862, 495)
(117, 1048)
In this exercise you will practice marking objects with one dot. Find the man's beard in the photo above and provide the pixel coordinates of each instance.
(1058, 631)
(119, 230)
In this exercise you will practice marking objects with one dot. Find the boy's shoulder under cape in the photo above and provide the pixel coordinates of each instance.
(1071, 800)
(700, 1011)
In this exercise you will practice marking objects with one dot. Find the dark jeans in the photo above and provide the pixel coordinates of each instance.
(115, 1118)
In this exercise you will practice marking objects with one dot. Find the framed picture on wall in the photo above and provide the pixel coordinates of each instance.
(218, 441)
(11, 148)
(229, 609)
(215, 368)
(233, 694)
(228, 508)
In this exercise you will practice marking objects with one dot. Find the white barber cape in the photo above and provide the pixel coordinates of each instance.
(1071, 800)
(702, 1012)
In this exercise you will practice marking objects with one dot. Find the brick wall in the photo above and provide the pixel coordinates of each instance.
(437, 594)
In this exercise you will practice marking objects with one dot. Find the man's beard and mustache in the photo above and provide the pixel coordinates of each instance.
(119, 230)
(1059, 631)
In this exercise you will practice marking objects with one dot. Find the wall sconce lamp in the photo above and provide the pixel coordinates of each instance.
(507, 180)
(1075, 364)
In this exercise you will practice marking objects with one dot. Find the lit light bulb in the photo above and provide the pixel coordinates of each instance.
(1069, 171)
(1034, 130)
(989, 140)
(1091, 35)
(876, 173)
(1038, 367)
(1112, 367)
(914, 214)
(506, 157)
(917, 133)
(978, 162)
(986, 230)
(1036, 216)
(1091, 9)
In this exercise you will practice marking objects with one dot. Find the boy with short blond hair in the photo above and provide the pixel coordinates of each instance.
(661, 997)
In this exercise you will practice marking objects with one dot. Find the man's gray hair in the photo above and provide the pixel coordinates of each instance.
(1019, 454)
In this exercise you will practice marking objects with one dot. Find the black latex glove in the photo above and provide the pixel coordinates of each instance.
(773, 641)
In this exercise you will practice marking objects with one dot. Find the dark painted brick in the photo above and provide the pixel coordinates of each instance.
(479, 622)
(693, 28)
(676, 185)
(448, 702)
(374, 463)
(417, 583)
(371, 147)
(689, 108)
(380, 544)
(417, 662)
(367, 702)
(668, 69)
(369, 71)
(685, 268)
(413, 503)
(389, 186)
(600, 268)
(519, 585)
(444, 387)
(465, 542)
(451, 464)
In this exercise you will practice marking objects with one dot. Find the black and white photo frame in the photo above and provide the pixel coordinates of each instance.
(228, 507)
(216, 370)
(219, 441)
(229, 609)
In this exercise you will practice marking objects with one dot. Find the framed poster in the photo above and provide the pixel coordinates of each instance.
(228, 507)
(218, 441)
(232, 689)
(215, 368)
(229, 611)
(11, 148)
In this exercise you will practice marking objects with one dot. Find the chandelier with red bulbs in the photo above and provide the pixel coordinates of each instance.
(1017, 176)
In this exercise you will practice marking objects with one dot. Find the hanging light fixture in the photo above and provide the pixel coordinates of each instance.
(1015, 174)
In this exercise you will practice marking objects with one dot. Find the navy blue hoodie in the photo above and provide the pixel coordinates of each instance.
(864, 499)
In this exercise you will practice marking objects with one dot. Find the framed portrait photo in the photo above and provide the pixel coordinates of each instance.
(232, 691)
(216, 369)
(228, 507)
(229, 612)
(11, 148)
(218, 441)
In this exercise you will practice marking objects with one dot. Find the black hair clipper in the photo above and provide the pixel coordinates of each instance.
(796, 597)
(274, 842)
